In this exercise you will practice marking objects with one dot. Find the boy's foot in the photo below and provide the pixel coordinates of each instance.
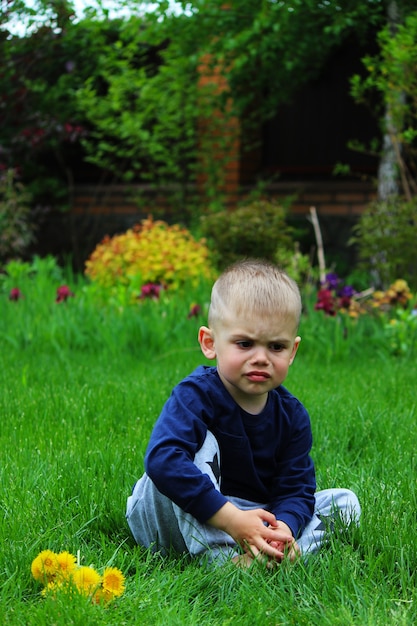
(243, 560)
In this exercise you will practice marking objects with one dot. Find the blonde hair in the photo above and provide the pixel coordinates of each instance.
(254, 287)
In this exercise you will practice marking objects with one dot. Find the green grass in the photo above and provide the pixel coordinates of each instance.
(80, 389)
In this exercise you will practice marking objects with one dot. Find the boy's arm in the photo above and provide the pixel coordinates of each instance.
(176, 437)
(292, 494)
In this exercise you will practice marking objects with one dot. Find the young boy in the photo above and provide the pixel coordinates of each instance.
(228, 467)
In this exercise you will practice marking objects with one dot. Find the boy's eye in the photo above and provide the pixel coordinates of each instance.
(277, 347)
(244, 344)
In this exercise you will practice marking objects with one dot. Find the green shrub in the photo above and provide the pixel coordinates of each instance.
(16, 229)
(258, 229)
(386, 236)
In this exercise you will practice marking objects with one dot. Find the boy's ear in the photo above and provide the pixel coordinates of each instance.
(206, 341)
(295, 348)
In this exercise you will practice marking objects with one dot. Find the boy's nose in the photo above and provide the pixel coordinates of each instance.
(260, 356)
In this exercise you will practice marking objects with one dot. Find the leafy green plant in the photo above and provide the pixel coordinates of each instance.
(142, 110)
(386, 236)
(151, 253)
(17, 230)
(342, 321)
(296, 264)
(40, 270)
(401, 331)
(390, 88)
(257, 229)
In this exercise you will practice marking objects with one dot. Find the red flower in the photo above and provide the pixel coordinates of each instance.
(195, 311)
(63, 293)
(150, 290)
(325, 302)
(15, 294)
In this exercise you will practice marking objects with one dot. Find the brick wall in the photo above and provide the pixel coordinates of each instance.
(120, 200)
(341, 198)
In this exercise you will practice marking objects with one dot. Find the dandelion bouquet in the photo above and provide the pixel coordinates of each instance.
(62, 573)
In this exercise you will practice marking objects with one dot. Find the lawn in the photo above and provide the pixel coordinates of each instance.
(79, 394)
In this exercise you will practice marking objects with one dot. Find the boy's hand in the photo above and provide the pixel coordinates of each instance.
(292, 551)
(248, 529)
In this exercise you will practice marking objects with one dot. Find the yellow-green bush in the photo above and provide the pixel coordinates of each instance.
(150, 252)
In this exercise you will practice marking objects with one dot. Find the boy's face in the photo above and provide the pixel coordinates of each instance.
(253, 355)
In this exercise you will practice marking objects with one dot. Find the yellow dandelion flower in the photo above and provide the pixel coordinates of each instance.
(52, 588)
(98, 596)
(86, 579)
(113, 581)
(107, 596)
(102, 596)
(67, 563)
(45, 566)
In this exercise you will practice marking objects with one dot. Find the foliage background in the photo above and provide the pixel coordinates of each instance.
(121, 94)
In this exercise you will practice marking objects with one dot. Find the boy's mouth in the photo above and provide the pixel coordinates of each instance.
(257, 376)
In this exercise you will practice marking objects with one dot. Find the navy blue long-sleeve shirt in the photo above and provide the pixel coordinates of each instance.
(264, 458)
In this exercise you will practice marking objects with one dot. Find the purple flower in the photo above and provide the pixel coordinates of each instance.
(63, 293)
(346, 292)
(15, 294)
(345, 296)
(332, 281)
